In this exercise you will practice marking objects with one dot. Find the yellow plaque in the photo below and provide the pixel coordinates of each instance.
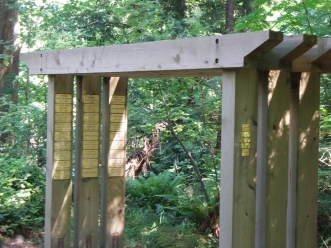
(245, 134)
(90, 154)
(245, 152)
(117, 144)
(116, 162)
(245, 145)
(62, 155)
(90, 163)
(91, 107)
(63, 126)
(63, 98)
(62, 136)
(91, 127)
(63, 117)
(61, 175)
(118, 99)
(114, 108)
(62, 145)
(63, 108)
(62, 165)
(90, 144)
(91, 99)
(90, 172)
(117, 126)
(116, 154)
(245, 140)
(117, 136)
(91, 118)
(117, 117)
(91, 135)
(116, 172)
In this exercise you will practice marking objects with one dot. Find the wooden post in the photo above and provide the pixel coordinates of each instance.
(114, 129)
(277, 170)
(86, 211)
(307, 173)
(262, 159)
(58, 170)
(238, 166)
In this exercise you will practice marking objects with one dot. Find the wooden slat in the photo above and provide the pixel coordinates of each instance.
(293, 160)
(58, 192)
(282, 55)
(238, 171)
(192, 54)
(307, 179)
(315, 59)
(113, 162)
(86, 210)
(277, 174)
(262, 159)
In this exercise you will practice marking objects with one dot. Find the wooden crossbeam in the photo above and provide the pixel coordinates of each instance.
(186, 57)
(281, 56)
(318, 58)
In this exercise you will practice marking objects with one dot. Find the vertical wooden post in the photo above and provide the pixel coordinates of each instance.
(307, 174)
(86, 211)
(293, 160)
(114, 129)
(277, 171)
(238, 159)
(58, 170)
(262, 160)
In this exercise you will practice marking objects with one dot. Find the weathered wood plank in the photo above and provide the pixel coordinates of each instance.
(86, 210)
(315, 59)
(277, 170)
(282, 55)
(58, 185)
(307, 184)
(238, 167)
(262, 159)
(113, 175)
(293, 160)
(207, 53)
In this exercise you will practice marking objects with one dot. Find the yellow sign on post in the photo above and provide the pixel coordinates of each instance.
(245, 140)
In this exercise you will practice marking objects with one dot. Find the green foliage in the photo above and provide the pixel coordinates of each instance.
(21, 196)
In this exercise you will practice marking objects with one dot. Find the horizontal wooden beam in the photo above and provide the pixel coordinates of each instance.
(317, 59)
(281, 56)
(201, 56)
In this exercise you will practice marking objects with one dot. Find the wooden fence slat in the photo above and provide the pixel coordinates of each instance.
(58, 170)
(86, 208)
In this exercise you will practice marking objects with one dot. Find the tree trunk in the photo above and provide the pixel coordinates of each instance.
(229, 16)
(9, 52)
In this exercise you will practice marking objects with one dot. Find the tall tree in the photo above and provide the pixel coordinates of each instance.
(229, 15)
(9, 51)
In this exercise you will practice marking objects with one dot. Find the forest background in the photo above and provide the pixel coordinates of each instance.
(166, 200)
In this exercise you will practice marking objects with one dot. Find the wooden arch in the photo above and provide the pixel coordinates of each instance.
(270, 133)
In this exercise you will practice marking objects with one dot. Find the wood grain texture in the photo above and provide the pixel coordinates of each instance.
(58, 193)
(187, 55)
(113, 188)
(316, 59)
(307, 184)
(277, 170)
(238, 173)
(282, 55)
(262, 160)
(86, 208)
